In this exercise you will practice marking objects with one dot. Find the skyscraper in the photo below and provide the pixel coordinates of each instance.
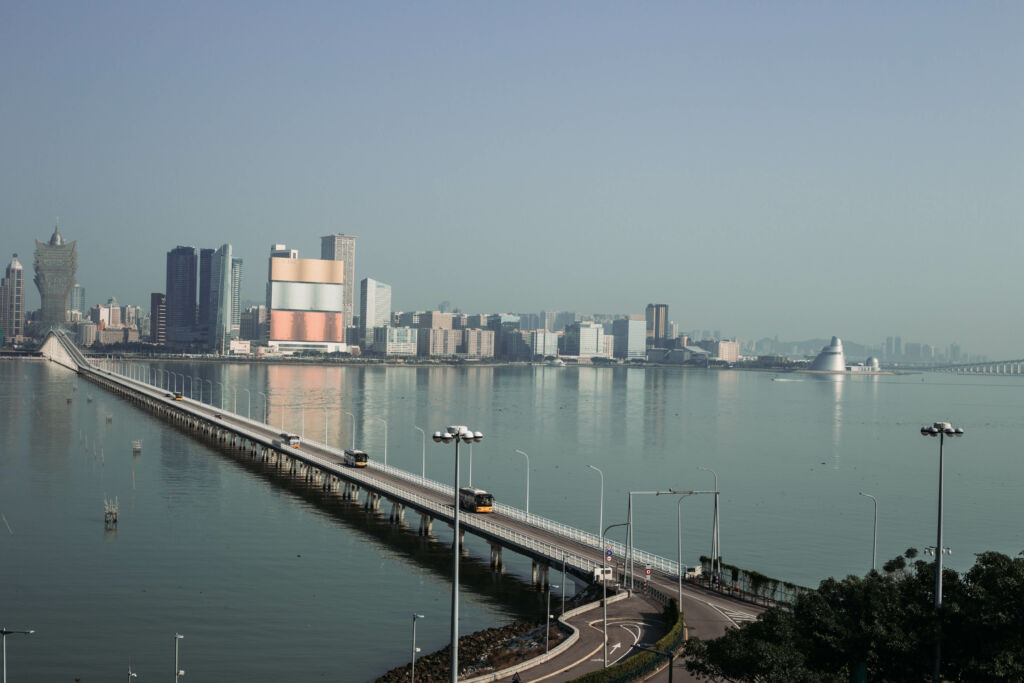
(374, 307)
(630, 337)
(236, 296)
(340, 247)
(12, 301)
(55, 266)
(158, 318)
(221, 266)
(77, 299)
(205, 317)
(181, 295)
(657, 321)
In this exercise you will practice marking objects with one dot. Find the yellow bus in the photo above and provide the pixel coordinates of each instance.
(475, 500)
(354, 458)
(287, 439)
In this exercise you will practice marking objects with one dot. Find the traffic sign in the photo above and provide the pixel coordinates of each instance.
(608, 554)
(647, 571)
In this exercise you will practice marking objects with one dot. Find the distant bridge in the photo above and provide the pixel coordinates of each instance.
(998, 367)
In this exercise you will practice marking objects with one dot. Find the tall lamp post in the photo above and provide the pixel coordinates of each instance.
(527, 479)
(600, 514)
(385, 439)
(679, 547)
(874, 534)
(547, 618)
(716, 548)
(456, 433)
(423, 465)
(412, 671)
(353, 428)
(177, 671)
(4, 632)
(941, 430)
(604, 589)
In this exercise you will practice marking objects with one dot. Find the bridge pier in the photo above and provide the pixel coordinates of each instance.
(539, 574)
(496, 564)
(426, 524)
(397, 513)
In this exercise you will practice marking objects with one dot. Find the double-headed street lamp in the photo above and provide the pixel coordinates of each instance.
(456, 433)
(874, 535)
(4, 632)
(412, 672)
(353, 428)
(941, 430)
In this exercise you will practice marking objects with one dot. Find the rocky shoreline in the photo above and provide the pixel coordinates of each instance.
(482, 652)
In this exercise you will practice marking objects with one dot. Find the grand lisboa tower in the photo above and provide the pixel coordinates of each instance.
(55, 267)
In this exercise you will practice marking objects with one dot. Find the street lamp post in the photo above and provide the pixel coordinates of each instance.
(941, 430)
(385, 439)
(456, 433)
(200, 387)
(412, 671)
(527, 479)
(604, 589)
(211, 390)
(177, 671)
(4, 632)
(679, 534)
(221, 404)
(629, 530)
(266, 408)
(600, 523)
(248, 402)
(671, 657)
(423, 464)
(716, 548)
(874, 534)
(547, 620)
(353, 428)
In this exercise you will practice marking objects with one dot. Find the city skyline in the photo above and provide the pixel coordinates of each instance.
(801, 171)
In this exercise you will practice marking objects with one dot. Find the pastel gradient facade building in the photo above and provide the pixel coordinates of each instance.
(55, 265)
(305, 300)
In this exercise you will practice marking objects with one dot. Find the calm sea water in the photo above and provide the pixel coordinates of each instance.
(271, 584)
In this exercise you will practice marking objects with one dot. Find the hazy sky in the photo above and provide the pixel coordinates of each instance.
(800, 169)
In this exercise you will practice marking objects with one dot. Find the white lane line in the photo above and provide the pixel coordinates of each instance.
(735, 616)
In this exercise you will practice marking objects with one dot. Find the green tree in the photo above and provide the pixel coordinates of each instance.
(885, 624)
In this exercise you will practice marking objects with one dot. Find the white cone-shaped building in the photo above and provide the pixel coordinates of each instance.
(831, 358)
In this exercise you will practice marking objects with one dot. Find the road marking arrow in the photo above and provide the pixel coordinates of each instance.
(615, 647)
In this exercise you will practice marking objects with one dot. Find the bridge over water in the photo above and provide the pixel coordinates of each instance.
(379, 487)
(999, 367)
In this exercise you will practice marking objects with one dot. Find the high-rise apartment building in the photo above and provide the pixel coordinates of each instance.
(252, 323)
(12, 301)
(181, 296)
(236, 295)
(55, 266)
(584, 339)
(339, 247)
(77, 301)
(219, 305)
(304, 300)
(158, 318)
(657, 324)
(630, 336)
(205, 318)
(374, 307)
